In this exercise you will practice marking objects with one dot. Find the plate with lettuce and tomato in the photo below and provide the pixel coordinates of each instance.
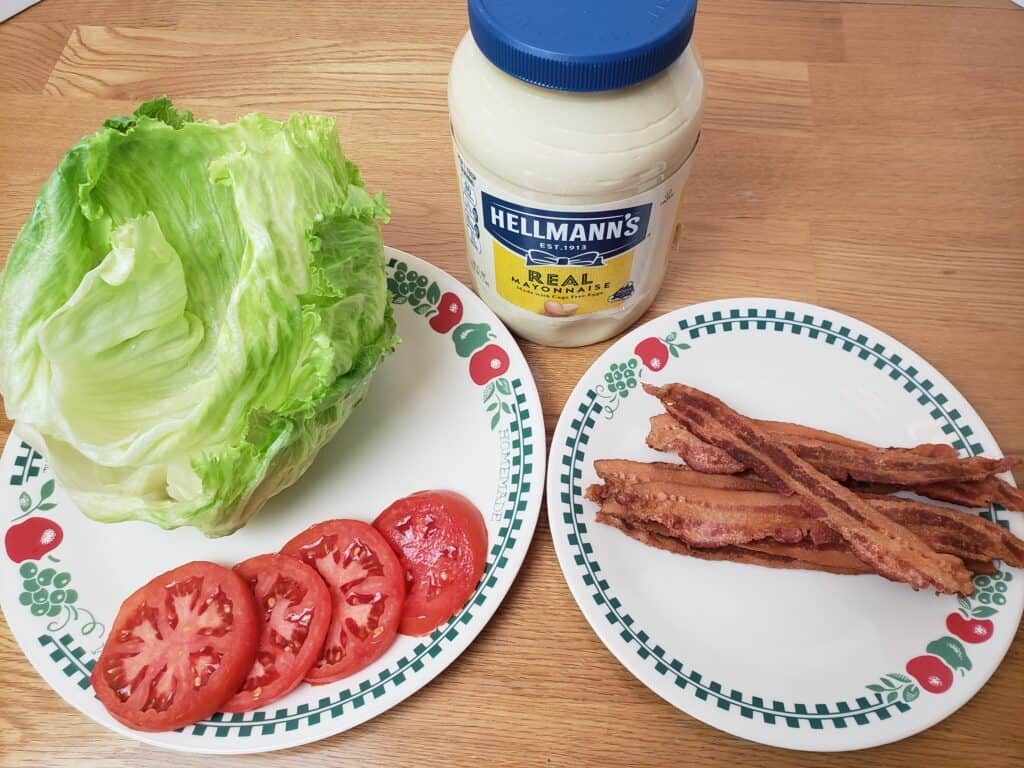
(268, 477)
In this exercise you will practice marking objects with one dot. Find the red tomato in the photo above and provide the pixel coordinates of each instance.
(441, 539)
(179, 648)
(296, 612)
(365, 581)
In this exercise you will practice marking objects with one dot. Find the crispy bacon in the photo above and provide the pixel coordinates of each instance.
(656, 536)
(836, 456)
(952, 531)
(666, 434)
(839, 558)
(624, 471)
(708, 524)
(888, 547)
(975, 493)
(766, 554)
(671, 491)
(670, 436)
(705, 526)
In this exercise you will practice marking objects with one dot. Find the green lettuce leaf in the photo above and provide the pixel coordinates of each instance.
(191, 311)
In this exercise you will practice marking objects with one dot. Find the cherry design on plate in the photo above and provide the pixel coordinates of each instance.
(449, 313)
(32, 539)
(653, 353)
(931, 673)
(487, 364)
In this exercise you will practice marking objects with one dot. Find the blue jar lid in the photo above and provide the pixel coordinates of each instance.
(582, 45)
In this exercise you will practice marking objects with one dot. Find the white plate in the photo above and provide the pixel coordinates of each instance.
(794, 659)
(425, 424)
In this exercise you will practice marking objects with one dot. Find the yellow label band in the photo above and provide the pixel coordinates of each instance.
(561, 291)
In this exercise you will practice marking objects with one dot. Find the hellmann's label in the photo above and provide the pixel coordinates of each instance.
(580, 261)
(572, 261)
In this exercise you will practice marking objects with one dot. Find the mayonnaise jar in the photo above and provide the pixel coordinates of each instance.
(574, 124)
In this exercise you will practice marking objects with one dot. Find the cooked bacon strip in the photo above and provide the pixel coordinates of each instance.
(840, 557)
(625, 471)
(667, 434)
(838, 457)
(791, 430)
(770, 555)
(950, 531)
(831, 559)
(702, 525)
(670, 436)
(975, 493)
(981, 568)
(836, 558)
(704, 518)
(656, 536)
(888, 547)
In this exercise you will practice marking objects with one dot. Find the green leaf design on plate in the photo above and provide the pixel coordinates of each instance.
(503, 386)
(24, 501)
(951, 651)
(433, 293)
(876, 688)
(46, 505)
(495, 419)
(900, 678)
(893, 695)
(47, 490)
(983, 612)
(422, 309)
(910, 693)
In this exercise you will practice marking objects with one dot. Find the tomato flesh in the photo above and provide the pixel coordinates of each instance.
(441, 541)
(179, 647)
(295, 611)
(365, 581)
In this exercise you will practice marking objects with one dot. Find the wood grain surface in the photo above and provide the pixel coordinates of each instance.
(866, 156)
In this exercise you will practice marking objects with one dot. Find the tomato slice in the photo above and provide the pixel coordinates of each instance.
(441, 541)
(179, 647)
(364, 578)
(295, 608)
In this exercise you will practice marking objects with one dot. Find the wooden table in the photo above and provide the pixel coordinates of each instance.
(864, 156)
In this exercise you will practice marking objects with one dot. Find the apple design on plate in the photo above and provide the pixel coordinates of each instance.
(449, 313)
(488, 363)
(969, 630)
(931, 673)
(653, 353)
(32, 539)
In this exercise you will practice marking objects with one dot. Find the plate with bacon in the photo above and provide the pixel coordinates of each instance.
(787, 524)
